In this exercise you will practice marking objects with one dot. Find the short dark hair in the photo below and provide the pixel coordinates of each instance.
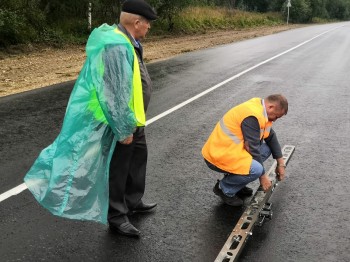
(280, 100)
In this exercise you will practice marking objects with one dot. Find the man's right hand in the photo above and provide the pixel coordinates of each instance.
(127, 140)
(265, 182)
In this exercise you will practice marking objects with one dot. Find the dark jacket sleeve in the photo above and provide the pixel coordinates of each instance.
(251, 135)
(274, 145)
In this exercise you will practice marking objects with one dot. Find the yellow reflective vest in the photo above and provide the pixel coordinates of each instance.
(225, 146)
(136, 99)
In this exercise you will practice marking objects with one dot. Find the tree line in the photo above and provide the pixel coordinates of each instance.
(24, 21)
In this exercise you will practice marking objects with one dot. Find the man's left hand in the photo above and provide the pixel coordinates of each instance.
(280, 172)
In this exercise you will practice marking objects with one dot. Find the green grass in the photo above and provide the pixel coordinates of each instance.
(201, 19)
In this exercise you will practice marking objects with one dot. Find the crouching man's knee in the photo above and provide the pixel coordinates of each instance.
(256, 169)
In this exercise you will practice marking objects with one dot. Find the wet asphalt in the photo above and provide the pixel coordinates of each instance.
(311, 220)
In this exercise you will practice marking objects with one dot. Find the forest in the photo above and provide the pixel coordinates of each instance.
(62, 21)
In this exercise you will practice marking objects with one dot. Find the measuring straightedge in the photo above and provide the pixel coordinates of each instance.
(256, 213)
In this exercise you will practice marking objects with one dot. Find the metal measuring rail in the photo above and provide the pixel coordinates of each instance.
(255, 213)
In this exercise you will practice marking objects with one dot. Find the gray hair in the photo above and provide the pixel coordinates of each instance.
(128, 18)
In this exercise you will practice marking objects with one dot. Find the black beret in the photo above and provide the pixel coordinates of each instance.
(139, 7)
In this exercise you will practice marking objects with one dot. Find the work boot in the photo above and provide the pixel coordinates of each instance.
(231, 201)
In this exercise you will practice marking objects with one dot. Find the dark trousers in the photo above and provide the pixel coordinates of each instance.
(127, 177)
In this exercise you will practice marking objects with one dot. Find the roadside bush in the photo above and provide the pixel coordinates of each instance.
(300, 12)
(74, 26)
(69, 30)
(12, 28)
(51, 37)
(35, 18)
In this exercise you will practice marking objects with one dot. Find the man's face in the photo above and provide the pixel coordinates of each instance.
(142, 27)
(273, 113)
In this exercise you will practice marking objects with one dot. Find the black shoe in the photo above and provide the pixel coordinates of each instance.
(231, 201)
(126, 229)
(245, 192)
(142, 207)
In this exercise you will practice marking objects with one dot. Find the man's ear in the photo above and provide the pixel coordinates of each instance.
(137, 23)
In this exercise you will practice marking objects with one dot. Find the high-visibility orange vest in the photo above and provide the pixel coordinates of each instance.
(225, 146)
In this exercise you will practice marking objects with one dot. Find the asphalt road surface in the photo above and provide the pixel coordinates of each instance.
(311, 222)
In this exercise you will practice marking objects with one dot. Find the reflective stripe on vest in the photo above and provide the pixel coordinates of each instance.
(263, 132)
(227, 131)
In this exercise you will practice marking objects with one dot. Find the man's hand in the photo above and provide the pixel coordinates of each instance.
(265, 182)
(280, 169)
(280, 172)
(127, 140)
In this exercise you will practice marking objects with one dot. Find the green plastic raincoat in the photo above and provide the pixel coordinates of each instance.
(70, 177)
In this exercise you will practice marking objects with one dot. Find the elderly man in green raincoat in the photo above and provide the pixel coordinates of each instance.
(70, 177)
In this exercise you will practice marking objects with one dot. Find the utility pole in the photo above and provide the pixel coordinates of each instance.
(288, 5)
(89, 16)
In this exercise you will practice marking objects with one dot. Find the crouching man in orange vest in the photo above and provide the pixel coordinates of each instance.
(239, 144)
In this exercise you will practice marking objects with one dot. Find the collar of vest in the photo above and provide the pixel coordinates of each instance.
(132, 39)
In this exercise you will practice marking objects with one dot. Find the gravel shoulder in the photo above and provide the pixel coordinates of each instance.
(44, 66)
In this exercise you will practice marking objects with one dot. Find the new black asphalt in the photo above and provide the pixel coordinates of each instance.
(311, 208)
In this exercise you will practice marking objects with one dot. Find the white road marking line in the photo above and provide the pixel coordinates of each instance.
(22, 187)
(13, 191)
(231, 78)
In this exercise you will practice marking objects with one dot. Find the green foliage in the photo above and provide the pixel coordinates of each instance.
(19, 26)
(200, 19)
(277, 5)
(59, 21)
(13, 28)
(51, 37)
(319, 9)
(253, 5)
(300, 11)
(167, 10)
(338, 9)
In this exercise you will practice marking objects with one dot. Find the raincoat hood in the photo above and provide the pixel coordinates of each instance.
(101, 37)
